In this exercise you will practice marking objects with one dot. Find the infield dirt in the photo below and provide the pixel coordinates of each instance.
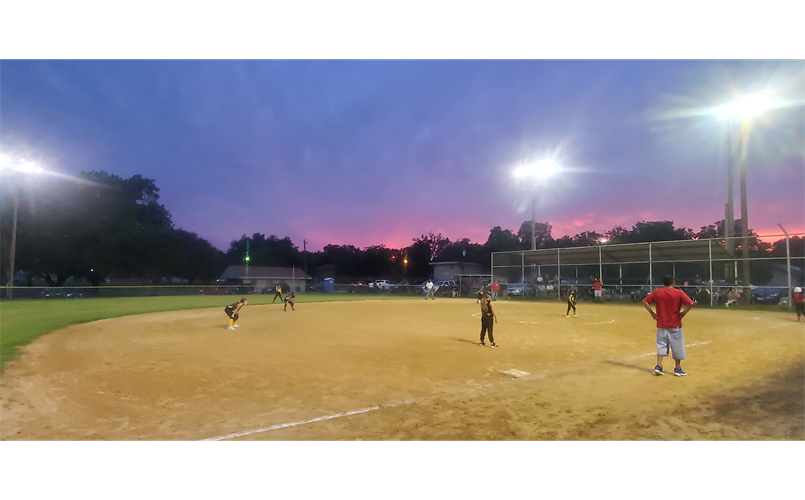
(408, 370)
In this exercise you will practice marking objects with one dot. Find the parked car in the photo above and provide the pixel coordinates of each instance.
(641, 293)
(382, 284)
(60, 293)
(769, 295)
(520, 289)
(273, 288)
(446, 287)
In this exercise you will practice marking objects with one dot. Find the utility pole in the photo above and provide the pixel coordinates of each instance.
(744, 137)
(304, 254)
(533, 221)
(729, 218)
(788, 264)
(13, 249)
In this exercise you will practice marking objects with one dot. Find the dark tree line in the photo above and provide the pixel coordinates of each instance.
(102, 225)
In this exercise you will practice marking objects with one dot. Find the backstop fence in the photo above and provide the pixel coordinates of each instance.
(709, 270)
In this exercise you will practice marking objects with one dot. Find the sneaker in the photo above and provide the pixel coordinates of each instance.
(567, 316)
(658, 370)
(482, 344)
(493, 345)
(235, 326)
(679, 373)
(231, 328)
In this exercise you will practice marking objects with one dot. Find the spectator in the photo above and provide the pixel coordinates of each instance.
(732, 297)
(597, 290)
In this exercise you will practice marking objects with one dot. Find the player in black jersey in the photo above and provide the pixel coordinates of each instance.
(289, 301)
(232, 311)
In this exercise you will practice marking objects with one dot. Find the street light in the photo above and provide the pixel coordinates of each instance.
(26, 167)
(539, 172)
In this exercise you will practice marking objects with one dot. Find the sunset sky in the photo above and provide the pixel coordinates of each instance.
(370, 152)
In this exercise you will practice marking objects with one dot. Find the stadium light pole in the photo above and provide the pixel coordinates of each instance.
(744, 109)
(729, 216)
(25, 167)
(538, 172)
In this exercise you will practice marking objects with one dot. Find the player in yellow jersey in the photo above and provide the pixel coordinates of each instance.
(277, 293)
(571, 302)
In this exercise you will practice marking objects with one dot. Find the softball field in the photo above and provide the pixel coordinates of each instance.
(408, 370)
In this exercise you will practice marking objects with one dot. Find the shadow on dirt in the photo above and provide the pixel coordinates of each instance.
(774, 408)
(627, 365)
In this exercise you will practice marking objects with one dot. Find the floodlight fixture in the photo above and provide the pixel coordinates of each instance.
(30, 167)
(539, 170)
(746, 107)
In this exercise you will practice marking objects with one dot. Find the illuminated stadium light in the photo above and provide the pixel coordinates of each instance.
(540, 170)
(21, 165)
(30, 167)
(26, 167)
(746, 107)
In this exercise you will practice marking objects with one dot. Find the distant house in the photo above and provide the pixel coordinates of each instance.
(263, 277)
(446, 270)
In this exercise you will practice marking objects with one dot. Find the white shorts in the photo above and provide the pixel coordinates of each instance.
(597, 293)
(673, 338)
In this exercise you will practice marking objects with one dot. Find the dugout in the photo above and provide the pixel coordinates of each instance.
(468, 283)
(626, 268)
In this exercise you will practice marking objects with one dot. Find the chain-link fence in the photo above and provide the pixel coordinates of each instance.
(708, 270)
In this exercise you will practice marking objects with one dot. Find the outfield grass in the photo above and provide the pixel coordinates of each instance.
(22, 321)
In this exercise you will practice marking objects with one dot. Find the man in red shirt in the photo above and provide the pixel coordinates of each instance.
(672, 305)
(495, 289)
(799, 302)
(597, 290)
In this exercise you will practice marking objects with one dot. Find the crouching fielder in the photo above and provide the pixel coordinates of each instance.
(289, 301)
(232, 311)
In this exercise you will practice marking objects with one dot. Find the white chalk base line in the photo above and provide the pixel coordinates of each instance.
(310, 421)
